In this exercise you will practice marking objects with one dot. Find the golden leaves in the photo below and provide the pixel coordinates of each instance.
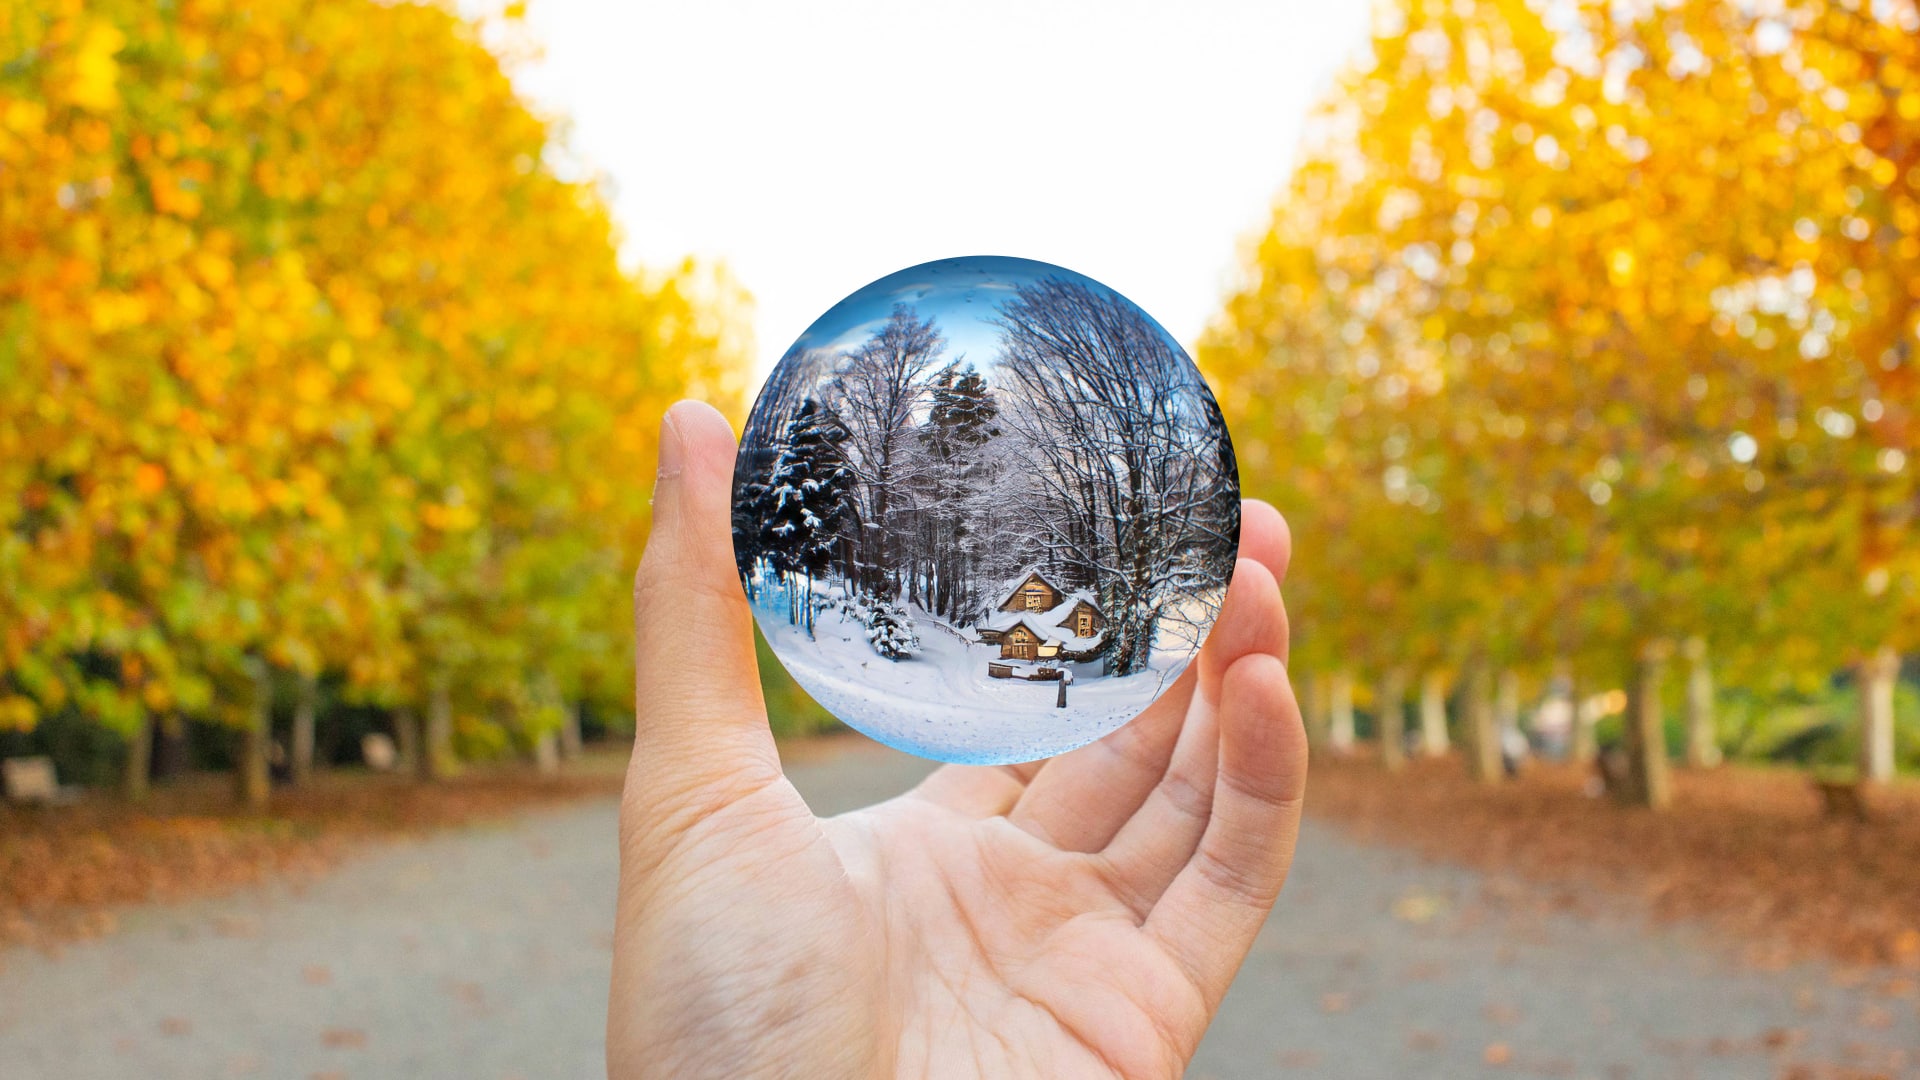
(92, 76)
(273, 307)
(1664, 254)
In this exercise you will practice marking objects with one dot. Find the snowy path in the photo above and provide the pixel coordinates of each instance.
(940, 701)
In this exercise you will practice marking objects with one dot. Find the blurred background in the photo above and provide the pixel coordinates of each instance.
(1576, 340)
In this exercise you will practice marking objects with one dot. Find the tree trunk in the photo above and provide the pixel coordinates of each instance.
(1318, 694)
(1703, 746)
(546, 753)
(1433, 713)
(1482, 729)
(1340, 707)
(1392, 709)
(436, 743)
(406, 740)
(252, 782)
(1648, 780)
(135, 781)
(1878, 675)
(570, 730)
(1506, 708)
(1581, 748)
(300, 754)
(1584, 748)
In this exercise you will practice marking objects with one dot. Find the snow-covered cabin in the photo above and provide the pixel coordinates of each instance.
(1038, 620)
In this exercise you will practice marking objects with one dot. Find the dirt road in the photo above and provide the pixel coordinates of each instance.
(483, 954)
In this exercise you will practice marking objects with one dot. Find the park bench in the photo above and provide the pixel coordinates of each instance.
(30, 780)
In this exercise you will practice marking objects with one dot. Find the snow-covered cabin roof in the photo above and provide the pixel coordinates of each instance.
(1003, 620)
(1040, 628)
(1069, 601)
(1012, 585)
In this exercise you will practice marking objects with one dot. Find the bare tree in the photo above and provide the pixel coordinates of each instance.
(876, 391)
(1108, 406)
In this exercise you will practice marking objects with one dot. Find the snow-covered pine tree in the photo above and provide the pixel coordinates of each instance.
(750, 508)
(890, 631)
(806, 505)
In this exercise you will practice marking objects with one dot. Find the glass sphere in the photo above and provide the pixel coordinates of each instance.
(985, 510)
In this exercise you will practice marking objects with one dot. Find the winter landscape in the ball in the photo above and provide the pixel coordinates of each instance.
(985, 510)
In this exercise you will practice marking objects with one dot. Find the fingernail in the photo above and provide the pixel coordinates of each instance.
(673, 448)
(673, 453)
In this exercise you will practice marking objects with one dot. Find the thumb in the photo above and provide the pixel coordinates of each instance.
(700, 721)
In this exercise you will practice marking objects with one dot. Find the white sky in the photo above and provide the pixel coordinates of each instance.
(817, 146)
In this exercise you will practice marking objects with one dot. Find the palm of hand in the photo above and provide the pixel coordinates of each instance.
(1078, 917)
(1013, 958)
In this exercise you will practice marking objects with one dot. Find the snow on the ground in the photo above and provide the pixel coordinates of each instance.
(940, 702)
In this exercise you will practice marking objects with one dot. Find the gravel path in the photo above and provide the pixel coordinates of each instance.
(483, 954)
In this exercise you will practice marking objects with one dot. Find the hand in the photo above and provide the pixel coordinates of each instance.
(1080, 916)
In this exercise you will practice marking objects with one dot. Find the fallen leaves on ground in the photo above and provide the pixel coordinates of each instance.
(1744, 850)
(63, 868)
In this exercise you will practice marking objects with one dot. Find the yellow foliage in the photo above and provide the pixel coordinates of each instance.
(1580, 325)
(308, 353)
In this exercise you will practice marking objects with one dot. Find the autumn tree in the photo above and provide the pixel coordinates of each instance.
(310, 360)
(1576, 326)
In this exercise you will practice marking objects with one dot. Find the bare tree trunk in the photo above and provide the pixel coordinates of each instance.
(252, 782)
(300, 754)
(1433, 713)
(1483, 732)
(1340, 706)
(1648, 782)
(1392, 709)
(1878, 674)
(1703, 746)
(436, 743)
(570, 730)
(136, 780)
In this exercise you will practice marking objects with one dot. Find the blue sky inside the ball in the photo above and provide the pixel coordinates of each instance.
(962, 296)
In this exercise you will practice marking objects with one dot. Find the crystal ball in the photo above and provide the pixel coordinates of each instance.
(985, 510)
